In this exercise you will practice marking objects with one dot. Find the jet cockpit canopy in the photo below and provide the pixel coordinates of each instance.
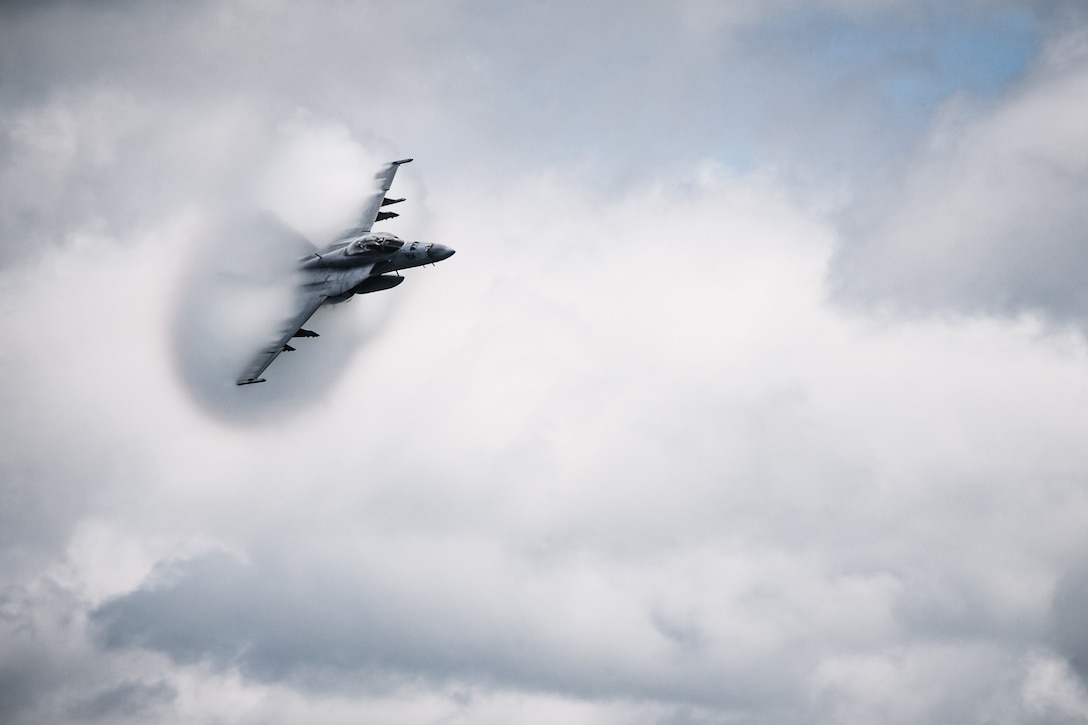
(376, 244)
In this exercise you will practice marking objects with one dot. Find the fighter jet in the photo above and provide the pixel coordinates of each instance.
(358, 262)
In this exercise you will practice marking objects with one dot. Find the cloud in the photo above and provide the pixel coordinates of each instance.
(667, 489)
(990, 216)
(1068, 619)
(129, 699)
(620, 459)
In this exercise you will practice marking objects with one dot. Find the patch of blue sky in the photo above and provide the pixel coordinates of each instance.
(861, 89)
(984, 60)
(815, 88)
(916, 60)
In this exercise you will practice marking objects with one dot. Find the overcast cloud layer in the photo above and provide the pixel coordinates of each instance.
(756, 392)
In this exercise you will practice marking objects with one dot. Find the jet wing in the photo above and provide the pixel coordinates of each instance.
(372, 206)
(307, 305)
(376, 200)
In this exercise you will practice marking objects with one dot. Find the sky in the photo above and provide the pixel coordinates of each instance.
(756, 392)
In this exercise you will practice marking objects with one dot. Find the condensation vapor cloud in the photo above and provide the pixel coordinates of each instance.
(239, 281)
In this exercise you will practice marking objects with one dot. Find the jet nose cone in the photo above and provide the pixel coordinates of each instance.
(438, 252)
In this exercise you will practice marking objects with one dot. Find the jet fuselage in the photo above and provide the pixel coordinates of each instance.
(356, 266)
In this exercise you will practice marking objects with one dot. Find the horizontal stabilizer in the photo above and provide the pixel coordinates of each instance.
(288, 348)
(305, 333)
(387, 201)
(251, 382)
(383, 215)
